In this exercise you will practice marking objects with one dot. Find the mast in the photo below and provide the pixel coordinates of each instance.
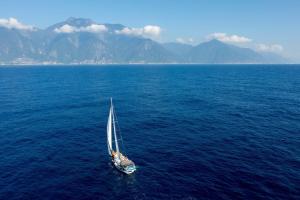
(115, 134)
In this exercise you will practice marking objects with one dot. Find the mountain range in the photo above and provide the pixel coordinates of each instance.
(83, 41)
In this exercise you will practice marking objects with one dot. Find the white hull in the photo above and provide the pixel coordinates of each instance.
(121, 169)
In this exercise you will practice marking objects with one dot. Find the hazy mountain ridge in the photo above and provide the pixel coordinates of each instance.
(48, 46)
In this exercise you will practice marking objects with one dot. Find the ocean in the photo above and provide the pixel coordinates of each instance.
(194, 131)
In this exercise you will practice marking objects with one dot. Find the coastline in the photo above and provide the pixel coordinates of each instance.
(136, 64)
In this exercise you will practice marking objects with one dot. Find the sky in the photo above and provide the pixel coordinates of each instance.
(264, 25)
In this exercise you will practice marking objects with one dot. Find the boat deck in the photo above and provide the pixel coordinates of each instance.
(124, 160)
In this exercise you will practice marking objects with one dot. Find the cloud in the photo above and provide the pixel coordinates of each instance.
(65, 29)
(13, 23)
(185, 41)
(275, 48)
(229, 38)
(93, 28)
(150, 31)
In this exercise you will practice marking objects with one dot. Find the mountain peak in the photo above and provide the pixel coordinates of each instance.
(70, 18)
(79, 21)
(72, 21)
(215, 42)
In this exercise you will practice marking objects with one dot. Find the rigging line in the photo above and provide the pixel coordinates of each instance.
(117, 123)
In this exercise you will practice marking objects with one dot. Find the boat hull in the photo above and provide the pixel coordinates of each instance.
(124, 170)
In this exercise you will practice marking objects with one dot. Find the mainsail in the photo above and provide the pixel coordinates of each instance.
(111, 128)
(109, 131)
(115, 133)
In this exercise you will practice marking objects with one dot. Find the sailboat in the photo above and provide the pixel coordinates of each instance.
(120, 161)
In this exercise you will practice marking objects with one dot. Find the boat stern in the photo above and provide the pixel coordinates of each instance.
(130, 169)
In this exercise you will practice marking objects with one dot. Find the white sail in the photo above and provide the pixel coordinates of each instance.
(115, 134)
(109, 132)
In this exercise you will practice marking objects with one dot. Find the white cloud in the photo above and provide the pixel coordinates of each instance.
(93, 28)
(130, 31)
(152, 30)
(244, 41)
(13, 23)
(276, 48)
(147, 31)
(65, 29)
(185, 41)
(96, 28)
(229, 38)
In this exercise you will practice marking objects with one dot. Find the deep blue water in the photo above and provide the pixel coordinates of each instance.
(195, 132)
